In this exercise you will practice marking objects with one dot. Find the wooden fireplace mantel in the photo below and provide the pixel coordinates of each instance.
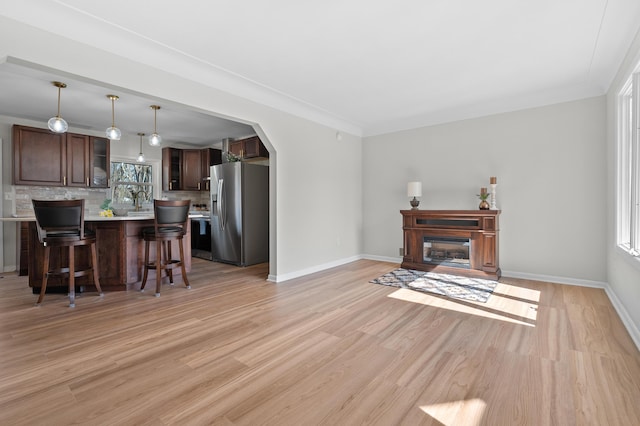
(479, 226)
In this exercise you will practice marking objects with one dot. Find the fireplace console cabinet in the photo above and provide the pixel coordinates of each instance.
(460, 242)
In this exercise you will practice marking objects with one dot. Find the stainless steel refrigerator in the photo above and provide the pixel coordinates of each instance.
(239, 213)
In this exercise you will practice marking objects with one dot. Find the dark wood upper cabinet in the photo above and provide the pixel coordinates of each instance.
(171, 169)
(43, 158)
(77, 160)
(100, 167)
(236, 148)
(39, 157)
(253, 148)
(210, 157)
(248, 148)
(192, 169)
(188, 169)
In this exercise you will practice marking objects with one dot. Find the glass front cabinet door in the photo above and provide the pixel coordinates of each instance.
(99, 158)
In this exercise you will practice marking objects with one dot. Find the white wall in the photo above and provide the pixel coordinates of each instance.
(550, 167)
(623, 271)
(316, 182)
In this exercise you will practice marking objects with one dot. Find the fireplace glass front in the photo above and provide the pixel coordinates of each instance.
(447, 251)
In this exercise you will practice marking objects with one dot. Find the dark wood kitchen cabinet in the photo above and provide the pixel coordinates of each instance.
(192, 170)
(210, 157)
(39, 157)
(171, 169)
(43, 158)
(236, 148)
(77, 160)
(99, 162)
(188, 169)
(87, 161)
(248, 148)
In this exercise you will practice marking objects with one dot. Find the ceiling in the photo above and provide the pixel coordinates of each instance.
(367, 67)
(28, 93)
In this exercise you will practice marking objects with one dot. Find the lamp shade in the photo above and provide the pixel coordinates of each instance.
(414, 189)
(57, 125)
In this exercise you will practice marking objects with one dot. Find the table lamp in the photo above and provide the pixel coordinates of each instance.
(414, 189)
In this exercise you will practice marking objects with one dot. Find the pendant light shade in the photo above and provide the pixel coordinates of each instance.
(141, 155)
(57, 124)
(113, 132)
(154, 138)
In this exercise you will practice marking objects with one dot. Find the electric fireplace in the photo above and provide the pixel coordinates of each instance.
(447, 251)
(463, 242)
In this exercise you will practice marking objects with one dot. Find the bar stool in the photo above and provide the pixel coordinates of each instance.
(60, 223)
(170, 224)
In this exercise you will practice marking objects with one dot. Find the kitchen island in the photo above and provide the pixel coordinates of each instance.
(120, 250)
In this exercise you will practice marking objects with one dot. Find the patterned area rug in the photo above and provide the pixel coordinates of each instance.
(457, 287)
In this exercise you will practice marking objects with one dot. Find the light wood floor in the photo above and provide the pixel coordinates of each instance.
(329, 349)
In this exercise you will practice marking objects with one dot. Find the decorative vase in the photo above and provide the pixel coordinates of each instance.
(484, 204)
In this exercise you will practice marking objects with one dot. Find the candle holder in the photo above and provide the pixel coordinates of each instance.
(493, 203)
(493, 182)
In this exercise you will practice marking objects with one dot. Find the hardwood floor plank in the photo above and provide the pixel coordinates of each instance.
(553, 346)
(587, 336)
(329, 348)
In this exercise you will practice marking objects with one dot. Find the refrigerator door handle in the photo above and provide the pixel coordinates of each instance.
(220, 205)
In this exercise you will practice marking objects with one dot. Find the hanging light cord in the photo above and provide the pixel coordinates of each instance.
(113, 113)
(155, 120)
(59, 87)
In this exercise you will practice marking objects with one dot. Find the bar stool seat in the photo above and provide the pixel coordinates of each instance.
(60, 223)
(170, 224)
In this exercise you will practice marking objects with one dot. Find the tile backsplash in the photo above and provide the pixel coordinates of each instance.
(93, 197)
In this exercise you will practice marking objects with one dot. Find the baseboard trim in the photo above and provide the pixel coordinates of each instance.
(10, 268)
(318, 268)
(397, 260)
(632, 329)
(555, 279)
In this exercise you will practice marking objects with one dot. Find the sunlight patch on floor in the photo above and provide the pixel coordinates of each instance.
(508, 303)
(468, 412)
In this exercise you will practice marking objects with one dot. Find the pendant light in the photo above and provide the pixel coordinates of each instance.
(141, 155)
(57, 124)
(154, 138)
(113, 133)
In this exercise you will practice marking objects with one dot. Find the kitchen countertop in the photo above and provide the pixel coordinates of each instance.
(96, 218)
(87, 218)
